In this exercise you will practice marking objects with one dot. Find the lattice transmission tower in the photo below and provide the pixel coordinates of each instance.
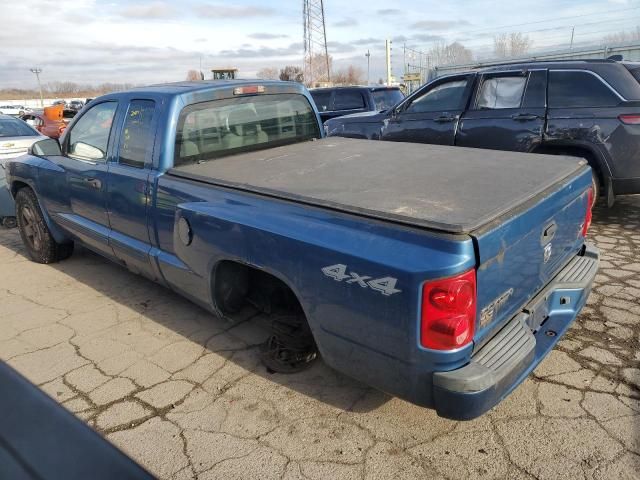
(316, 56)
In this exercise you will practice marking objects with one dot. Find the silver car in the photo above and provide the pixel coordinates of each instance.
(15, 139)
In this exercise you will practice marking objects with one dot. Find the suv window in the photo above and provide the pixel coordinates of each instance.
(387, 98)
(322, 100)
(446, 96)
(579, 89)
(219, 128)
(88, 139)
(501, 92)
(348, 100)
(137, 139)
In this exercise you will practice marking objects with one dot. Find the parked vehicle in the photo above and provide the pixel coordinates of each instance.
(15, 139)
(337, 101)
(60, 102)
(75, 105)
(12, 110)
(443, 277)
(586, 108)
(49, 122)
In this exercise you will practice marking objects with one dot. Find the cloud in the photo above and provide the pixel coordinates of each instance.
(346, 22)
(149, 10)
(367, 41)
(225, 11)
(426, 37)
(263, 52)
(438, 24)
(266, 36)
(389, 11)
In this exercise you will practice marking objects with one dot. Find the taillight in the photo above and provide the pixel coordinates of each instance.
(630, 119)
(589, 215)
(448, 312)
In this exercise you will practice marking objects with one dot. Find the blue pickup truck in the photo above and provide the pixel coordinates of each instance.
(440, 275)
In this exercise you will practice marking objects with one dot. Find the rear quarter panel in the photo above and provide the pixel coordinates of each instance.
(359, 331)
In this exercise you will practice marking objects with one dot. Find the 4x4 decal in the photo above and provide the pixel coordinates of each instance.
(384, 285)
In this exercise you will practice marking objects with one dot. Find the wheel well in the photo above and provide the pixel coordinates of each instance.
(573, 151)
(236, 287)
(17, 186)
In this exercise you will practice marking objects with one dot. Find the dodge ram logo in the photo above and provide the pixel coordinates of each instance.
(384, 285)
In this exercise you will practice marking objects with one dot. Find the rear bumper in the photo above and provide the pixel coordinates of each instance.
(509, 357)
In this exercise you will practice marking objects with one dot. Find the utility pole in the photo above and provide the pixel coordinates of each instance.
(388, 49)
(573, 29)
(368, 55)
(38, 71)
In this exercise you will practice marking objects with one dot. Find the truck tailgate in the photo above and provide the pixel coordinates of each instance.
(519, 255)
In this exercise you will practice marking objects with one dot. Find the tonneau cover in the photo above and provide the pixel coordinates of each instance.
(451, 189)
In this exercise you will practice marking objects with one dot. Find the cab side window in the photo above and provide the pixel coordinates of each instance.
(136, 141)
(348, 100)
(89, 138)
(501, 92)
(446, 96)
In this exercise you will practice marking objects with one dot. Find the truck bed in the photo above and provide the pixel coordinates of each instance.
(454, 190)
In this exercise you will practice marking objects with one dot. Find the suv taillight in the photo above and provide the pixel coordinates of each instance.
(630, 119)
(448, 312)
(589, 215)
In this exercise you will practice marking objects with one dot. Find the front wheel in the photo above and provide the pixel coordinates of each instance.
(36, 236)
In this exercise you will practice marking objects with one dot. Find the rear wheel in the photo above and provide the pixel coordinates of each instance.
(40, 244)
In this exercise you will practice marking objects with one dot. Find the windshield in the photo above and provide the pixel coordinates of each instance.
(385, 99)
(220, 128)
(11, 127)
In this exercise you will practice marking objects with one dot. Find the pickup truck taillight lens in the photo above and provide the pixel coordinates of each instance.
(448, 312)
(630, 119)
(589, 215)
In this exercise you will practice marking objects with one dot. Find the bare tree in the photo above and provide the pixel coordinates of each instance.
(513, 44)
(193, 76)
(350, 76)
(292, 73)
(268, 73)
(622, 37)
(451, 54)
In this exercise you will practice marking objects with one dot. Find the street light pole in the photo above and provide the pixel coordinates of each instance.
(368, 55)
(38, 71)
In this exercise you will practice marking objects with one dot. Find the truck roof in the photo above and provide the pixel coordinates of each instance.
(455, 190)
(180, 88)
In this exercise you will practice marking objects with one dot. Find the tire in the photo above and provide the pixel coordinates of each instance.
(40, 244)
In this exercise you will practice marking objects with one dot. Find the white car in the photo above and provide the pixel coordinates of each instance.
(12, 110)
(15, 139)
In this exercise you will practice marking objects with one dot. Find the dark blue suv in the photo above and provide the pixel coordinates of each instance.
(586, 108)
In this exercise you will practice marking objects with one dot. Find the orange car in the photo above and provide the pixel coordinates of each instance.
(49, 122)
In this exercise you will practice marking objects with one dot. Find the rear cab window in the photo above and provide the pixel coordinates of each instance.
(579, 89)
(220, 128)
(322, 100)
(348, 100)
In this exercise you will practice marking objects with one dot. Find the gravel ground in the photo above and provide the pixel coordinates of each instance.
(185, 395)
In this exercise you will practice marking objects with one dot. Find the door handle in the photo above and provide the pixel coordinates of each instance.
(445, 118)
(524, 117)
(94, 183)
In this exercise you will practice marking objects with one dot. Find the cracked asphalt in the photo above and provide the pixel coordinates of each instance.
(185, 395)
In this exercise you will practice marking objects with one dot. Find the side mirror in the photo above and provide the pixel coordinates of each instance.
(45, 148)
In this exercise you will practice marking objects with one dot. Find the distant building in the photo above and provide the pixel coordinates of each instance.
(224, 73)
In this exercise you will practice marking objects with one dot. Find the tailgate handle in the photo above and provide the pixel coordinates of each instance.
(549, 233)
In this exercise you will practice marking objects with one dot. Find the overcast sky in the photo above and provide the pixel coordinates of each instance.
(142, 41)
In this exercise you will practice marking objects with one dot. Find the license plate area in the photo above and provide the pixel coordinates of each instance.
(538, 312)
